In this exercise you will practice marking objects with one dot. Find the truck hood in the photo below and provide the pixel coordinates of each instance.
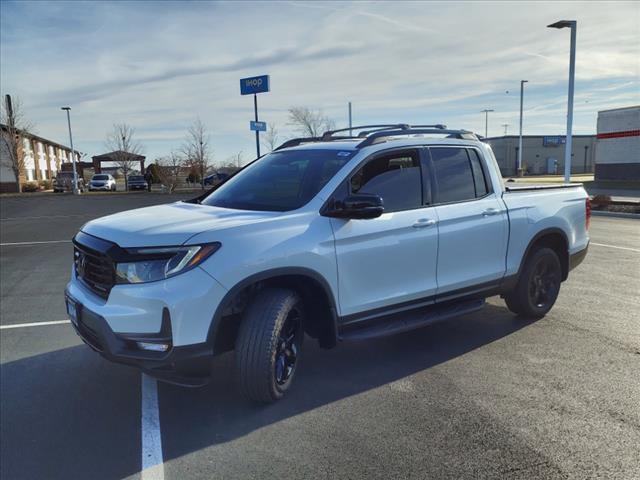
(171, 224)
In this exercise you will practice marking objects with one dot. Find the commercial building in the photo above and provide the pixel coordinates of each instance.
(618, 144)
(543, 154)
(42, 159)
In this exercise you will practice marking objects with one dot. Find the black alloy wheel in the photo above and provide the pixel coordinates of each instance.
(538, 285)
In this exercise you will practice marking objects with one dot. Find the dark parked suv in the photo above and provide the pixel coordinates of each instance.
(137, 182)
(64, 182)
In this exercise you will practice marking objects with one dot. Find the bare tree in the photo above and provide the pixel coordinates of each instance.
(120, 141)
(168, 169)
(196, 149)
(270, 138)
(235, 160)
(15, 128)
(310, 123)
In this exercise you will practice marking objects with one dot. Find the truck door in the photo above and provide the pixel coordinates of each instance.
(389, 260)
(472, 222)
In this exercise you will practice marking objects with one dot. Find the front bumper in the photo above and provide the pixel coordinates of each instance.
(100, 187)
(177, 311)
(188, 365)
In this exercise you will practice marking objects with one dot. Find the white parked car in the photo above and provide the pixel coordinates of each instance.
(102, 181)
(338, 238)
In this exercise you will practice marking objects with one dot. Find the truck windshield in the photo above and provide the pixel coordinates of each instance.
(279, 181)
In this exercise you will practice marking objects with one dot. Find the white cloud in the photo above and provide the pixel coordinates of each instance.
(159, 65)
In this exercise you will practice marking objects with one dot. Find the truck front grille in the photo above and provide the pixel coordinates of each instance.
(95, 269)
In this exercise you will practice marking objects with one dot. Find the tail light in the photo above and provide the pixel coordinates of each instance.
(587, 211)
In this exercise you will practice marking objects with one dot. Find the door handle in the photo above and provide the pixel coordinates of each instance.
(490, 211)
(424, 222)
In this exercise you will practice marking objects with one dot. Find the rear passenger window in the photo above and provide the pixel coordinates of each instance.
(396, 178)
(453, 174)
(479, 178)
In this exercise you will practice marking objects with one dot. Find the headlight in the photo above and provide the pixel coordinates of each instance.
(151, 264)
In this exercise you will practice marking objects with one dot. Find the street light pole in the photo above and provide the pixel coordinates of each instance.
(73, 153)
(486, 121)
(350, 119)
(519, 169)
(572, 73)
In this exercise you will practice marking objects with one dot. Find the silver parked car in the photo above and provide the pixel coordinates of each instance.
(102, 181)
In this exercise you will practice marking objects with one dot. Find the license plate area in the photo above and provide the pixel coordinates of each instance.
(74, 310)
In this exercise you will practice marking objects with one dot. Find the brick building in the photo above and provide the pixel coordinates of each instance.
(42, 160)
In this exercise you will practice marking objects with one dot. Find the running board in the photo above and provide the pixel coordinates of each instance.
(405, 321)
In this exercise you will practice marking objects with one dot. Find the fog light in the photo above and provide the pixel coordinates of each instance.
(155, 347)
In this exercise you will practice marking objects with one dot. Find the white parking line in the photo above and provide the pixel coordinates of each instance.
(152, 462)
(615, 246)
(19, 244)
(34, 324)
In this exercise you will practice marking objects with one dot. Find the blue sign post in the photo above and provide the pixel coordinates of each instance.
(255, 85)
(258, 126)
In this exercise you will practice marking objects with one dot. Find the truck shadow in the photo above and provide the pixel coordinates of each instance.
(197, 418)
(71, 414)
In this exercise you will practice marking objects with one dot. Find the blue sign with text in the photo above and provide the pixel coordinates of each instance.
(258, 126)
(554, 140)
(251, 85)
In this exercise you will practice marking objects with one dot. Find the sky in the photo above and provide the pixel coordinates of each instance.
(158, 66)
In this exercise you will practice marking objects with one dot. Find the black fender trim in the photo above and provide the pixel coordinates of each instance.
(267, 275)
(576, 258)
(538, 236)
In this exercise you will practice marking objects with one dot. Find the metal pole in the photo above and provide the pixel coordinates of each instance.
(572, 72)
(486, 121)
(73, 153)
(505, 125)
(255, 109)
(519, 171)
(350, 124)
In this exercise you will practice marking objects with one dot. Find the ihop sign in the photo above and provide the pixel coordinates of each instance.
(251, 85)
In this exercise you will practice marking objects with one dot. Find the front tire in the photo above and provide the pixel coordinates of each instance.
(538, 286)
(268, 346)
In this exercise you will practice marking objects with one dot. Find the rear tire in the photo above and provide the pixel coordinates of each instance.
(538, 286)
(268, 346)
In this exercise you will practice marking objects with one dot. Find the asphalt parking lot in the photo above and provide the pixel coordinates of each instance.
(487, 395)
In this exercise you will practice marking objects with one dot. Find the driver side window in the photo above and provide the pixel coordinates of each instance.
(395, 177)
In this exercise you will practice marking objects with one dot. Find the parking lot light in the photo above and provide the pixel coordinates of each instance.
(519, 169)
(486, 121)
(572, 72)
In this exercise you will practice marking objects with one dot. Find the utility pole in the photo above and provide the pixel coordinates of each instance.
(73, 153)
(519, 170)
(486, 121)
(350, 124)
(505, 125)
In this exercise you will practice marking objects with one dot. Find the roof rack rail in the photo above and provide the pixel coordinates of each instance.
(329, 134)
(459, 134)
(294, 142)
(370, 134)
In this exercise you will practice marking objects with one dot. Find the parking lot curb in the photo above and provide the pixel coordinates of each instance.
(601, 213)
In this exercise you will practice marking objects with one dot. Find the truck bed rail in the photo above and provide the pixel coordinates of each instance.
(524, 188)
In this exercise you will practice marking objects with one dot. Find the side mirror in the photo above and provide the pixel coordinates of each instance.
(360, 206)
